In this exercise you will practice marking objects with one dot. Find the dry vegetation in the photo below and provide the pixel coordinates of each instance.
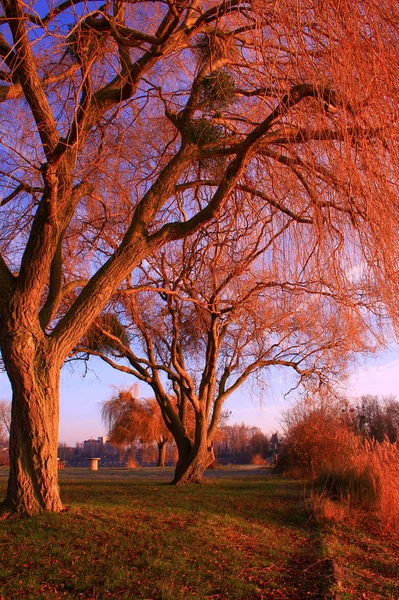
(368, 482)
(351, 473)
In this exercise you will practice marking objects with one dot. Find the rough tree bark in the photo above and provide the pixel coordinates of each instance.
(194, 458)
(192, 465)
(34, 376)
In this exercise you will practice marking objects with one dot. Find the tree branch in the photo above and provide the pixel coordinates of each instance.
(25, 69)
(177, 230)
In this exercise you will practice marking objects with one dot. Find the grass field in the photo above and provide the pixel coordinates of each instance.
(240, 535)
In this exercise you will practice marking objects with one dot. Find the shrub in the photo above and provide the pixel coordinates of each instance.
(352, 474)
(257, 459)
(317, 439)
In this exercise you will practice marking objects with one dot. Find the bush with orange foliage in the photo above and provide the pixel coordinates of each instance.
(317, 437)
(257, 459)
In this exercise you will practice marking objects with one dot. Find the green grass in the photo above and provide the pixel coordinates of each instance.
(125, 536)
(368, 561)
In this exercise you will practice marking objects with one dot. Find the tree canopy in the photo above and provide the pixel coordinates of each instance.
(204, 315)
(132, 124)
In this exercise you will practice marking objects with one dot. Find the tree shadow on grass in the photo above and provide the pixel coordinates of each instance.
(233, 538)
(308, 574)
(303, 571)
(229, 527)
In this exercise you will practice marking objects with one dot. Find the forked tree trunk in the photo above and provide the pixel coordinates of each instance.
(191, 465)
(194, 457)
(33, 480)
(161, 453)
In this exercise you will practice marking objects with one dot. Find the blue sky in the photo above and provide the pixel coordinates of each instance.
(81, 397)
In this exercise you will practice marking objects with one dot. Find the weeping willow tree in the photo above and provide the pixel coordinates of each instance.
(130, 420)
(128, 125)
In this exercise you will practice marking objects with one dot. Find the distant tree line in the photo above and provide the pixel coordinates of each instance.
(241, 444)
(377, 418)
(136, 437)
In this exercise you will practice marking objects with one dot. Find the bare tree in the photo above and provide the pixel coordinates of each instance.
(217, 309)
(376, 418)
(130, 420)
(240, 443)
(116, 118)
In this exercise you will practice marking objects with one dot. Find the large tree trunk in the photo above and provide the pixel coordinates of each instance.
(193, 462)
(191, 468)
(34, 376)
(194, 457)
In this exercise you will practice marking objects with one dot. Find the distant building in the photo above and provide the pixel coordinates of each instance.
(93, 448)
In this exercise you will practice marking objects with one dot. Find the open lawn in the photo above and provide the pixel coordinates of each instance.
(243, 534)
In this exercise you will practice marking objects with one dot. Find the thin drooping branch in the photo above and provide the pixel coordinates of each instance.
(14, 91)
(175, 231)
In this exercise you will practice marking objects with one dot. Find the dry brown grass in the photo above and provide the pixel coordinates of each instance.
(384, 462)
(326, 510)
(369, 481)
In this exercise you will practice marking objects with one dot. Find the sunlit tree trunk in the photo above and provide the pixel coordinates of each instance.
(34, 375)
(195, 458)
(190, 468)
(131, 460)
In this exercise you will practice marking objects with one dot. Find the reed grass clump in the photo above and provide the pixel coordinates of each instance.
(369, 482)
